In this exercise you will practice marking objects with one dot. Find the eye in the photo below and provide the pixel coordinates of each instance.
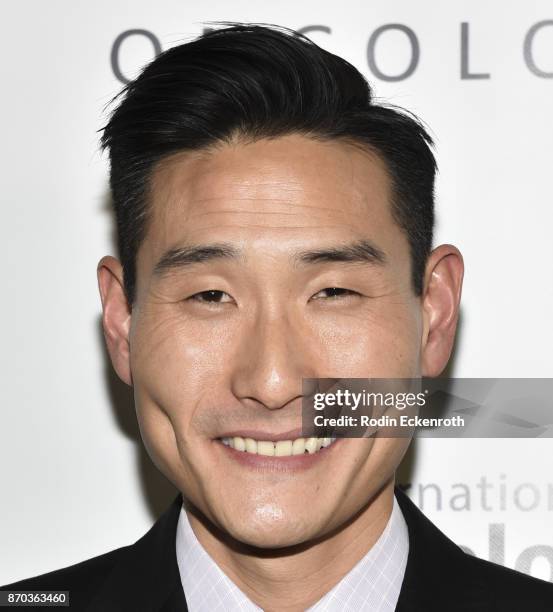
(334, 293)
(211, 296)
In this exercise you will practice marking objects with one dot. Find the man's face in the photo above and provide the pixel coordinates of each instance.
(220, 342)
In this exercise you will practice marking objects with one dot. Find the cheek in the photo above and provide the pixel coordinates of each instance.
(177, 368)
(381, 341)
(174, 360)
(174, 366)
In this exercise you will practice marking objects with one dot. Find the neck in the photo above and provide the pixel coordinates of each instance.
(295, 578)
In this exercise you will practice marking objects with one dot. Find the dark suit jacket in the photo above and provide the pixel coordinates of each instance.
(439, 577)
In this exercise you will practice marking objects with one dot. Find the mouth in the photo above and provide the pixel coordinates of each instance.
(279, 448)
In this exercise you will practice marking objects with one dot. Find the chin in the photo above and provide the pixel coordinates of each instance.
(269, 526)
(272, 538)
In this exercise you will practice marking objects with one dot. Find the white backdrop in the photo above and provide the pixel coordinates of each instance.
(75, 481)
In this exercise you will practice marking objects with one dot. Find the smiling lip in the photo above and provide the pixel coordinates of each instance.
(276, 464)
(264, 435)
(293, 463)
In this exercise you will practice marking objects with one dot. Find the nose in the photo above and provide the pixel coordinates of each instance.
(274, 355)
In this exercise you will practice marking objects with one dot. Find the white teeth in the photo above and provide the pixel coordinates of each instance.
(239, 444)
(251, 445)
(311, 445)
(298, 446)
(282, 448)
(265, 448)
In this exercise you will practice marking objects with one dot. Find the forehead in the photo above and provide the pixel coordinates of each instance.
(284, 189)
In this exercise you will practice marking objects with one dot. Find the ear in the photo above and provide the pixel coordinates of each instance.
(116, 317)
(441, 297)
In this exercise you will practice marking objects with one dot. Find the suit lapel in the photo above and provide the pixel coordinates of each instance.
(436, 577)
(147, 576)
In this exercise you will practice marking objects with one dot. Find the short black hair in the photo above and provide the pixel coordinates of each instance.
(258, 81)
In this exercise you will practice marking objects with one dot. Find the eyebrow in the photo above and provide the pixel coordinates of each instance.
(190, 255)
(361, 251)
